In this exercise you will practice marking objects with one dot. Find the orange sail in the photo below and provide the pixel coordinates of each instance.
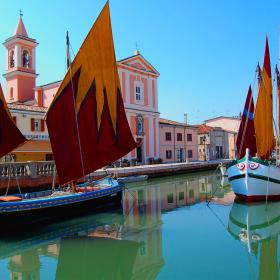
(86, 121)
(264, 111)
(10, 135)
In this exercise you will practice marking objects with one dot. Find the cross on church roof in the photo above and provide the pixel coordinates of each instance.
(20, 13)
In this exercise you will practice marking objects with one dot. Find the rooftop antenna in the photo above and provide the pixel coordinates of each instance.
(186, 118)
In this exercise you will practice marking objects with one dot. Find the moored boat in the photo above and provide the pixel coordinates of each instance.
(252, 176)
(253, 179)
(133, 179)
(88, 129)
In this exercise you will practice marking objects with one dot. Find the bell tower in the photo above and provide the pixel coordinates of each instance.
(21, 71)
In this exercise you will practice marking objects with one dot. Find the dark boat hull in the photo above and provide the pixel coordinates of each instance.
(23, 220)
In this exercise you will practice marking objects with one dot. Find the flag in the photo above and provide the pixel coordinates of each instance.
(10, 135)
(264, 111)
(246, 133)
(86, 121)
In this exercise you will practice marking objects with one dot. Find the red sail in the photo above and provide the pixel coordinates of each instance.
(86, 122)
(10, 135)
(246, 134)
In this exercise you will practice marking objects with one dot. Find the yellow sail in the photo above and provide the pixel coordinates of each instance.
(264, 110)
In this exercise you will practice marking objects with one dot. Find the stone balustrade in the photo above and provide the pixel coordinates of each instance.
(29, 169)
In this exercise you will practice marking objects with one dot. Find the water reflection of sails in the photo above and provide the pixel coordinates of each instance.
(257, 226)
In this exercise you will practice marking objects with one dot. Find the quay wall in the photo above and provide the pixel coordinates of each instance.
(30, 176)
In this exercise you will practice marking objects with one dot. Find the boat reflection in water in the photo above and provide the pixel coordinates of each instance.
(257, 226)
(125, 244)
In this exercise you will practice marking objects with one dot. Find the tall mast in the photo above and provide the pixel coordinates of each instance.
(68, 57)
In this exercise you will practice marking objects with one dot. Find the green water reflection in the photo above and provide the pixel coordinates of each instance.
(166, 230)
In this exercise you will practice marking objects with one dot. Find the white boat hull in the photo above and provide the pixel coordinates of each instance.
(253, 179)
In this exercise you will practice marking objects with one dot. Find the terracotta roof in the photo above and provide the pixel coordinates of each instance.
(35, 146)
(21, 31)
(203, 128)
(17, 106)
(169, 122)
(49, 84)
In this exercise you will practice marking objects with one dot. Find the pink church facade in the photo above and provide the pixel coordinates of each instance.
(138, 79)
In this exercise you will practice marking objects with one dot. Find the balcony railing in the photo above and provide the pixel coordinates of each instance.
(31, 169)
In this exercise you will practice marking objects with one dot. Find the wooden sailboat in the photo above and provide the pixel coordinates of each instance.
(252, 176)
(88, 129)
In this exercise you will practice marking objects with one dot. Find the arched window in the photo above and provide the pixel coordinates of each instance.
(25, 59)
(12, 59)
(11, 93)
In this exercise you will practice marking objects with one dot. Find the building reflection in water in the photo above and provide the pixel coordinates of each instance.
(257, 226)
(124, 245)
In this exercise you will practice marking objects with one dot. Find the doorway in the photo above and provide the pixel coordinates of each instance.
(139, 151)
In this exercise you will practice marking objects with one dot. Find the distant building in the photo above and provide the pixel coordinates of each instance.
(178, 141)
(227, 123)
(215, 143)
(28, 103)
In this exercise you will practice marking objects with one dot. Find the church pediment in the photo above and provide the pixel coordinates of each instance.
(139, 62)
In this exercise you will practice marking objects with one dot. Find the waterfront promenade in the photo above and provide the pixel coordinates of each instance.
(40, 174)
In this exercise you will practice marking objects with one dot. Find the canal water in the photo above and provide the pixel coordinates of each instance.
(177, 227)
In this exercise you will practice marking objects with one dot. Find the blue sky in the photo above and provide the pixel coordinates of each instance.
(205, 51)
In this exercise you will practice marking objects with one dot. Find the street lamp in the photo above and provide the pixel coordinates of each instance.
(204, 143)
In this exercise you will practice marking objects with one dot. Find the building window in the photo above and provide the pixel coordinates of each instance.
(179, 137)
(191, 194)
(11, 93)
(37, 126)
(170, 198)
(181, 195)
(168, 154)
(203, 140)
(190, 153)
(138, 91)
(25, 59)
(167, 136)
(189, 137)
(12, 59)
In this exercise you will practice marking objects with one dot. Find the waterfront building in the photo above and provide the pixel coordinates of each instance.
(215, 143)
(28, 102)
(227, 123)
(178, 141)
